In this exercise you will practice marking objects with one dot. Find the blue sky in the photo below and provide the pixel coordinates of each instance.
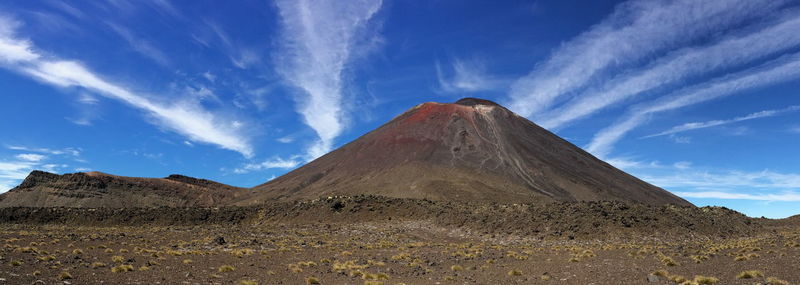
(698, 97)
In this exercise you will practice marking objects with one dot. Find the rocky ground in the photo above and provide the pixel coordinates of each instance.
(369, 240)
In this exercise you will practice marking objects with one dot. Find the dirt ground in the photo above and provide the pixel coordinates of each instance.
(399, 252)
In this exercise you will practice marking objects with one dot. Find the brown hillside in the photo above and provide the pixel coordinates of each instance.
(95, 189)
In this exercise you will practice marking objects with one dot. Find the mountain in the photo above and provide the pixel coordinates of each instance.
(95, 189)
(473, 150)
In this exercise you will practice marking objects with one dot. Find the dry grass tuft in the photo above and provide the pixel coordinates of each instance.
(776, 281)
(312, 281)
(98, 265)
(64, 276)
(226, 268)
(705, 280)
(749, 274)
(122, 268)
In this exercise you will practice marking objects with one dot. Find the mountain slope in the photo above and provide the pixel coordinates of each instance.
(472, 150)
(95, 189)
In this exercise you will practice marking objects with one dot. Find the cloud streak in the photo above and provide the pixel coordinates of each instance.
(731, 51)
(776, 71)
(186, 118)
(278, 163)
(319, 38)
(468, 76)
(141, 46)
(714, 123)
(727, 180)
(635, 30)
(782, 197)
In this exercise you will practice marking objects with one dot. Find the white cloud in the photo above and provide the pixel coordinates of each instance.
(14, 50)
(628, 163)
(240, 57)
(140, 45)
(209, 76)
(635, 30)
(15, 169)
(270, 164)
(728, 52)
(69, 151)
(726, 180)
(186, 118)
(468, 76)
(30, 157)
(714, 123)
(4, 187)
(286, 139)
(780, 70)
(781, 197)
(682, 165)
(319, 40)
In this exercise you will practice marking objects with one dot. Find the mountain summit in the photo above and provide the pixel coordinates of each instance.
(473, 150)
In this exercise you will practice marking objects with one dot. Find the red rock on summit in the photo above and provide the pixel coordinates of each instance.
(473, 150)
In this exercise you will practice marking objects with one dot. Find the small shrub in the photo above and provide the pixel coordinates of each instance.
(187, 261)
(117, 259)
(77, 251)
(776, 281)
(248, 282)
(64, 275)
(144, 268)
(122, 268)
(98, 265)
(16, 263)
(668, 261)
(705, 280)
(749, 274)
(456, 268)
(312, 281)
(514, 272)
(226, 268)
(677, 278)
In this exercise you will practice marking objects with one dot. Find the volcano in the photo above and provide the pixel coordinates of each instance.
(473, 150)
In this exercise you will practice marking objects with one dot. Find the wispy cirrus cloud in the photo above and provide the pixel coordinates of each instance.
(66, 151)
(278, 163)
(635, 30)
(241, 57)
(714, 123)
(140, 45)
(185, 118)
(780, 197)
(726, 180)
(319, 38)
(17, 166)
(33, 157)
(467, 76)
(730, 51)
(776, 71)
